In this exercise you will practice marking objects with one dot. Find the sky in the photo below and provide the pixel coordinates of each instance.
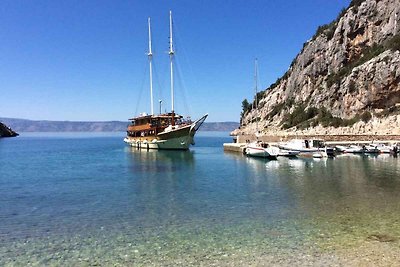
(87, 60)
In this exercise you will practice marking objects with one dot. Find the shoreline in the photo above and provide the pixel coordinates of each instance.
(239, 141)
(340, 139)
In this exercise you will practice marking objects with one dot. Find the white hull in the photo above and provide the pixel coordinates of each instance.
(257, 151)
(307, 148)
(288, 153)
(179, 138)
(301, 150)
(350, 149)
(384, 148)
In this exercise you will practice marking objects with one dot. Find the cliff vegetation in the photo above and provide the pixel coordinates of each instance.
(345, 80)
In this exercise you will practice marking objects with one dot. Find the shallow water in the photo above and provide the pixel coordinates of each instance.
(87, 199)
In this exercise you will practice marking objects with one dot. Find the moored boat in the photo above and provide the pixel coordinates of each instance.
(371, 148)
(163, 131)
(260, 149)
(304, 146)
(351, 149)
(288, 153)
(383, 148)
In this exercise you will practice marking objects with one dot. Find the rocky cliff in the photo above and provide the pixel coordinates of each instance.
(6, 131)
(344, 81)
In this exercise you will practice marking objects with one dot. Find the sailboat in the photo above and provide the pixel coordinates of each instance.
(163, 131)
(258, 148)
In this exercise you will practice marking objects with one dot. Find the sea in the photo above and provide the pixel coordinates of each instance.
(88, 199)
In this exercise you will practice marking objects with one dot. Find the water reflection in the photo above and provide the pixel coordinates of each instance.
(329, 184)
(160, 182)
(142, 160)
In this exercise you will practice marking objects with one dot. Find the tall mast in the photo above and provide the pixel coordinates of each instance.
(150, 55)
(171, 58)
(255, 93)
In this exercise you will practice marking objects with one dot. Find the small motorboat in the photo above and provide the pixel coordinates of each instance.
(260, 149)
(313, 146)
(288, 153)
(351, 149)
(384, 148)
(371, 148)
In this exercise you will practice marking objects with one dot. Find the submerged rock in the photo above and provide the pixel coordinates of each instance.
(382, 238)
(6, 131)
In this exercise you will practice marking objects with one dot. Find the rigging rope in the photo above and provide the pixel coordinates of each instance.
(160, 85)
(181, 82)
(144, 76)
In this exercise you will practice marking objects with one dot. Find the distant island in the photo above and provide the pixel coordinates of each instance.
(23, 125)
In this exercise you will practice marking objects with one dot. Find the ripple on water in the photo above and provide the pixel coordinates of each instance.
(86, 201)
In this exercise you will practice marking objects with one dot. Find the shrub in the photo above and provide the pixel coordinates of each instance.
(304, 118)
(367, 54)
(245, 107)
(350, 122)
(299, 117)
(393, 43)
(276, 110)
(366, 116)
(389, 111)
(333, 78)
(356, 3)
(352, 87)
(328, 30)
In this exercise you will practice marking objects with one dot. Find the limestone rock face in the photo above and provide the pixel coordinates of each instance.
(349, 67)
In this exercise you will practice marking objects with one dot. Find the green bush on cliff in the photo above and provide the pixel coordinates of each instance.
(393, 43)
(245, 107)
(389, 111)
(311, 117)
(356, 3)
(366, 116)
(367, 54)
(299, 116)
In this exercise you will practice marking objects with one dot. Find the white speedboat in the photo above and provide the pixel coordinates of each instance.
(305, 146)
(384, 148)
(288, 153)
(260, 149)
(302, 145)
(351, 149)
(371, 148)
(381, 148)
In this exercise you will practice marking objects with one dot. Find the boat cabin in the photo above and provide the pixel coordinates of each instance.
(151, 125)
(314, 143)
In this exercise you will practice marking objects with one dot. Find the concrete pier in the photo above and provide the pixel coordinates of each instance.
(234, 147)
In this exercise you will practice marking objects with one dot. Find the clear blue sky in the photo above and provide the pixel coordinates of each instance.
(86, 60)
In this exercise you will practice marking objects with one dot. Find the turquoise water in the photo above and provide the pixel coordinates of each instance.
(88, 199)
